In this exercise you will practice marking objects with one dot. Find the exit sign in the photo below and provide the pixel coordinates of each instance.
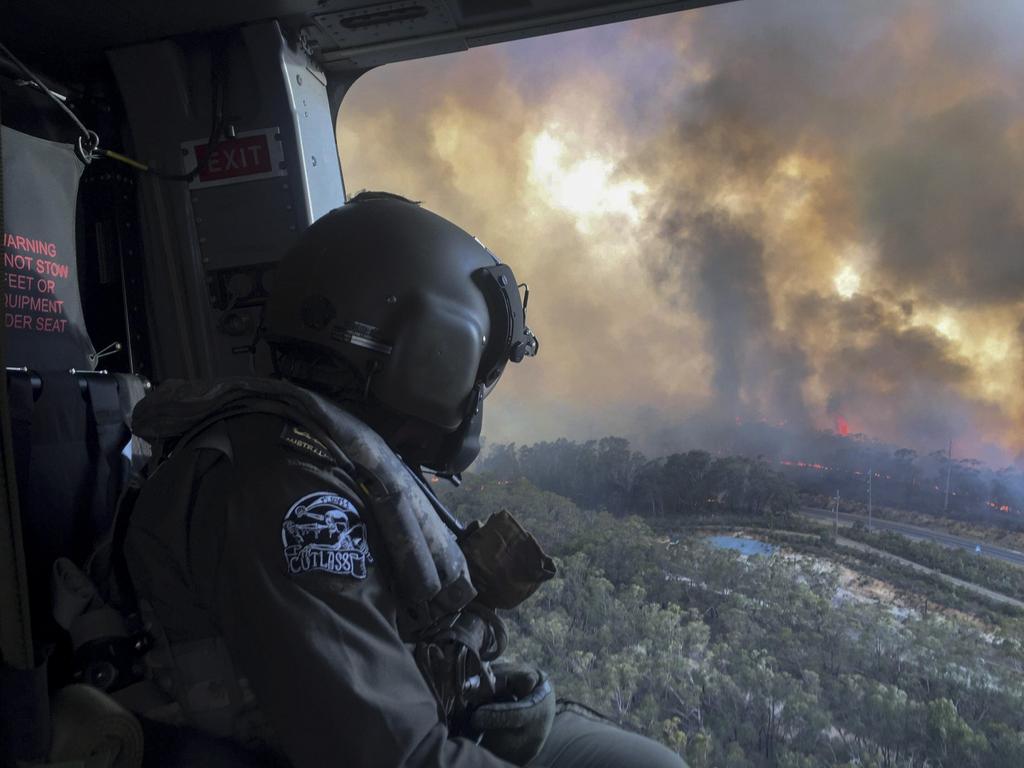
(248, 156)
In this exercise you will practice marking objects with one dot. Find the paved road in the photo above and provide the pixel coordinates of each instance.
(921, 534)
(999, 597)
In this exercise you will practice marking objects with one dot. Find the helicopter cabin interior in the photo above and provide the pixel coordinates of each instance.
(157, 160)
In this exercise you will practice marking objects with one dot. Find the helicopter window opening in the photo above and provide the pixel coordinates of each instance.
(775, 249)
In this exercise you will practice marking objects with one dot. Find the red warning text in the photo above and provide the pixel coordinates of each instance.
(30, 244)
(33, 278)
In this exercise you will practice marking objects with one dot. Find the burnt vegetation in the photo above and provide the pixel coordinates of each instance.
(789, 468)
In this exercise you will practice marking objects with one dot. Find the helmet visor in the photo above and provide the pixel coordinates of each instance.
(510, 339)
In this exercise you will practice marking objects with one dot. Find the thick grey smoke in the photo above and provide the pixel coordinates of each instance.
(721, 266)
(802, 212)
(946, 206)
(922, 171)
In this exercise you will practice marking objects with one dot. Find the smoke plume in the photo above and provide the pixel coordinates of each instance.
(803, 213)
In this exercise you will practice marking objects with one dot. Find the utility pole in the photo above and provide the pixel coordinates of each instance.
(949, 470)
(871, 476)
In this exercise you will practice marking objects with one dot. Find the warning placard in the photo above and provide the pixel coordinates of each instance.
(43, 324)
(248, 156)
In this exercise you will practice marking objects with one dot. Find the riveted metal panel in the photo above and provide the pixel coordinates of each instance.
(383, 22)
(212, 244)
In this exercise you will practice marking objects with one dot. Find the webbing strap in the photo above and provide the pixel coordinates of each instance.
(15, 624)
(105, 415)
(21, 396)
(105, 437)
(131, 389)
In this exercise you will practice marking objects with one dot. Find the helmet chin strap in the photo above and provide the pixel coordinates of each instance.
(461, 447)
(420, 444)
(425, 446)
(458, 449)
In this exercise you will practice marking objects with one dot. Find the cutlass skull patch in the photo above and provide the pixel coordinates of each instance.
(323, 532)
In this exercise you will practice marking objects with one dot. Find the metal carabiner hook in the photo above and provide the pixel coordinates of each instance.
(87, 147)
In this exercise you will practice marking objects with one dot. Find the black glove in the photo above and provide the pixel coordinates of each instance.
(515, 725)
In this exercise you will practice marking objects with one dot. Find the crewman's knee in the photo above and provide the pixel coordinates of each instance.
(578, 741)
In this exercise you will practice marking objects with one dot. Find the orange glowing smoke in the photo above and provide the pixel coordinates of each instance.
(842, 427)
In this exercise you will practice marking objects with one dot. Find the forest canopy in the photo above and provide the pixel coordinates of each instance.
(740, 662)
(609, 473)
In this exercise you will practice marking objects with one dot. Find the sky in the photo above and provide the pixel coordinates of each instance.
(804, 212)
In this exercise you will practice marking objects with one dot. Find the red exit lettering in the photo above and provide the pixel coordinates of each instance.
(231, 158)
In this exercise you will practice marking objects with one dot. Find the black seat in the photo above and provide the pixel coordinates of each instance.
(70, 422)
(73, 458)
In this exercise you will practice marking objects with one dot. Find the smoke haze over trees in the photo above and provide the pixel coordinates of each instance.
(606, 474)
(609, 474)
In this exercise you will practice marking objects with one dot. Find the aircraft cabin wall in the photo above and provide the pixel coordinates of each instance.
(210, 245)
(251, 111)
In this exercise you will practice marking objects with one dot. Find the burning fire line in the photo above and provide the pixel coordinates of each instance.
(825, 468)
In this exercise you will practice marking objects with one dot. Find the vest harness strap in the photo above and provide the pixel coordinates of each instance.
(432, 579)
(455, 638)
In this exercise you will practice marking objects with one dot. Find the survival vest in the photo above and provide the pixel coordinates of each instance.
(434, 581)
(454, 637)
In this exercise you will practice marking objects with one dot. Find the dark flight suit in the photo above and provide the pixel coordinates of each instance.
(213, 548)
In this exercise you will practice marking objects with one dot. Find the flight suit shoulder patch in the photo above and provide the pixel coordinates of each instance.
(302, 441)
(322, 531)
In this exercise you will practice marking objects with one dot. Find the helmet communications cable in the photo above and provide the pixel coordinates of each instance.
(87, 146)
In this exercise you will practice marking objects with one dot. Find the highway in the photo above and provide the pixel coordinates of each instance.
(921, 534)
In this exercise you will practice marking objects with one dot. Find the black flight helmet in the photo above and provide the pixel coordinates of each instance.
(418, 310)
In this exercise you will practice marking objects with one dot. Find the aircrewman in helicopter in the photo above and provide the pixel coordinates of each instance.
(377, 642)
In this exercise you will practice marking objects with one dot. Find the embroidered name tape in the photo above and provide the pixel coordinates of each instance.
(302, 441)
(323, 532)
